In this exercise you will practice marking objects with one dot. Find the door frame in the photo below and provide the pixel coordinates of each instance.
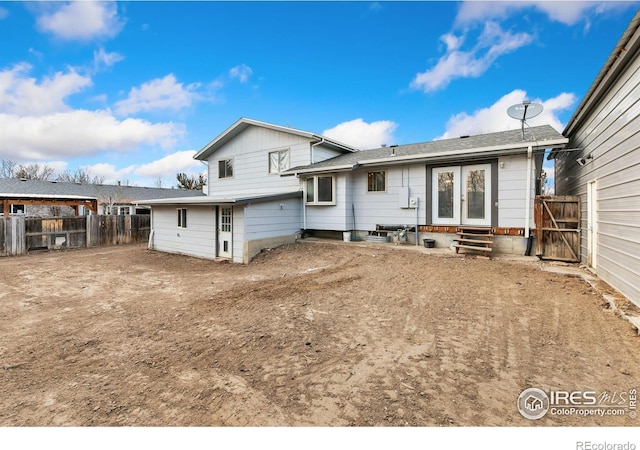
(464, 202)
(435, 219)
(224, 237)
(592, 224)
(432, 193)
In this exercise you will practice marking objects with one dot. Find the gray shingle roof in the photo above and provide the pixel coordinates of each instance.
(123, 194)
(539, 137)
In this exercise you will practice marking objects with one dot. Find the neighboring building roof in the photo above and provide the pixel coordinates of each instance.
(228, 198)
(623, 53)
(470, 147)
(244, 123)
(21, 188)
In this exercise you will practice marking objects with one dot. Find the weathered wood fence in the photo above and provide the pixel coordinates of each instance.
(558, 228)
(21, 235)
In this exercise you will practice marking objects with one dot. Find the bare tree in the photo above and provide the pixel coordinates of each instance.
(7, 168)
(33, 171)
(190, 182)
(80, 175)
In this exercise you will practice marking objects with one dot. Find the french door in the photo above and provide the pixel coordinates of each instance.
(461, 195)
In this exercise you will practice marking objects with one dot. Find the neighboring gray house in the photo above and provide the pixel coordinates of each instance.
(35, 198)
(268, 184)
(601, 164)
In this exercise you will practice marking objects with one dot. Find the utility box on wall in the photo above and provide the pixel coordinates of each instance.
(405, 201)
(403, 197)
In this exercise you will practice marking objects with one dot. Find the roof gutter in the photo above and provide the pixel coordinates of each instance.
(473, 151)
(343, 168)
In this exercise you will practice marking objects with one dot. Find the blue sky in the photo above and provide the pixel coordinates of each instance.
(130, 91)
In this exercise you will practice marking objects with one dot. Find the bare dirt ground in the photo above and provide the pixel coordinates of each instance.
(320, 334)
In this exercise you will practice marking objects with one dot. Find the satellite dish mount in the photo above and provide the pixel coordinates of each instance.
(525, 110)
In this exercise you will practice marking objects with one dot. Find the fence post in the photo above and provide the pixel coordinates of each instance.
(17, 239)
(3, 238)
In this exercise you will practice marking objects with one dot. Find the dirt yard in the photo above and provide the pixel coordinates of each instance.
(311, 334)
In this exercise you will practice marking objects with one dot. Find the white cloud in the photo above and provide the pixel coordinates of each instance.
(103, 59)
(495, 118)
(20, 94)
(170, 165)
(79, 132)
(81, 20)
(566, 12)
(452, 41)
(164, 169)
(36, 123)
(109, 172)
(241, 72)
(492, 43)
(158, 94)
(4, 13)
(363, 135)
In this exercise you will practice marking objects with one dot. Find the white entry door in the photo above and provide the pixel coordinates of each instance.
(446, 195)
(461, 195)
(476, 195)
(225, 228)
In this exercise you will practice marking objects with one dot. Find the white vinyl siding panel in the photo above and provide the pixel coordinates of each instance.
(272, 219)
(238, 234)
(611, 133)
(383, 208)
(512, 189)
(250, 154)
(331, 217)
(322, 153)
(198, 239)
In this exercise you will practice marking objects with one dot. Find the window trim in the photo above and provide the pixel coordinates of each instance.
(280, 170)
(19, 209)
(182, 217)
(315, 201)
(384, 172)
(226, 175)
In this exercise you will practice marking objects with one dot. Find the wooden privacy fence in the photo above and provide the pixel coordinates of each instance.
(20, 235)
(558, 228)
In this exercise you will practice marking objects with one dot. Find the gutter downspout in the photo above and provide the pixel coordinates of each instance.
(528, 193)
(304, 213)
(417, 219)
(322, 141)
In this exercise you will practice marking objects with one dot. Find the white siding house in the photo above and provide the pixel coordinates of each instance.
(248, 205)
(269, 184)
(602, 165)
(486, 181)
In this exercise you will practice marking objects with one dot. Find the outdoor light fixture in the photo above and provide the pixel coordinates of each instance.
(584, 160)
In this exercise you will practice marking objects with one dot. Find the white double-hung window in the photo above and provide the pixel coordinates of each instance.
(320, 190)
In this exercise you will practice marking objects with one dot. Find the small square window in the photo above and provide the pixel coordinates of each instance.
(17, 209)
(278, 161)
(225, 168)
(377, 181)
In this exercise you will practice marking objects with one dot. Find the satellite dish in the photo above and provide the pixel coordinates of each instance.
(524, 111)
